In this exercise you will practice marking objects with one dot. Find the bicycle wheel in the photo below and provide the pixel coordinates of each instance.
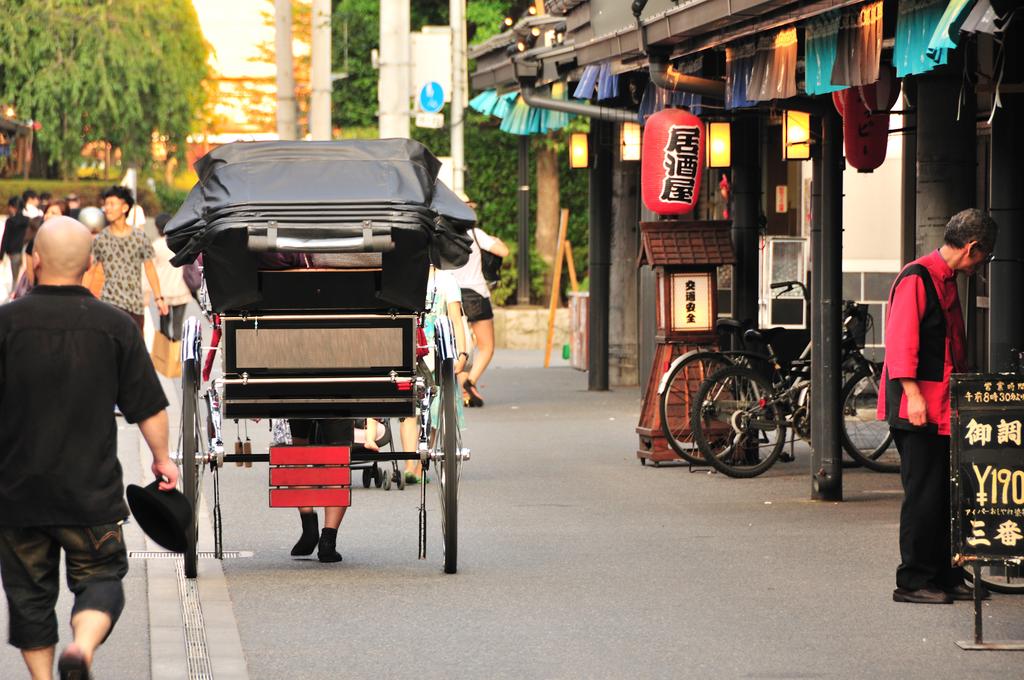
(190, 467)
(1000, 577)
(736, 402)
(866, 439)
(447, 463)
(676, 399)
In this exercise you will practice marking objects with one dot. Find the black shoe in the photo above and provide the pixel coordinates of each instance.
(72, 666)
(922, 596)
(326, 550)
(966, 592)
(475, 400)
(310, 535)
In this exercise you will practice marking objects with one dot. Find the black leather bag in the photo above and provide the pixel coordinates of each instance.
(490, 265)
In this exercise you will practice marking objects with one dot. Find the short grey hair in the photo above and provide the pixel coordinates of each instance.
(972, 225)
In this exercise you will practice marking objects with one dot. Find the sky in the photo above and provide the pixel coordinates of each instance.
(234, 28)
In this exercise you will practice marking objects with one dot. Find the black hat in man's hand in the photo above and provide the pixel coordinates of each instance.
(163, 515)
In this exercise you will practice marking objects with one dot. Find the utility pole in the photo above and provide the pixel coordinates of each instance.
(457, 20)
(393, 83)
(285, 75)
(320, 72)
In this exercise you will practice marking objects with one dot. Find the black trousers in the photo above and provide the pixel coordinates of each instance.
(924, 518)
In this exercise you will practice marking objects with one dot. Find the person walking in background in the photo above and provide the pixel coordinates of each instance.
(14, 233)
(172, 283)
(925, 342)
(476, 303)
(74, 204)
(65, 360)
(120, 249)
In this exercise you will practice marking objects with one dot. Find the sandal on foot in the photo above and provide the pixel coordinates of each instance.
(474, 394)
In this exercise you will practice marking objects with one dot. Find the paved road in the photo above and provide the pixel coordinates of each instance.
(577, 562)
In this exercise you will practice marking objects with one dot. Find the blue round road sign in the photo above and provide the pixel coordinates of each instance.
(432, 97)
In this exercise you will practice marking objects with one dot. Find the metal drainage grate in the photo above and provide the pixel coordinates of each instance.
(196, 652)
(166, 555)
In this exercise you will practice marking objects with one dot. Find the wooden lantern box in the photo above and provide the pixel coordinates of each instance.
(685, 256)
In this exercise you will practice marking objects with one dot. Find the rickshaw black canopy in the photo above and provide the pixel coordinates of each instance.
(330, 190)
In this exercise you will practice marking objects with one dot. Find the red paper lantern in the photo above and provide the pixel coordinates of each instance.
(865, 132)
(672, 162)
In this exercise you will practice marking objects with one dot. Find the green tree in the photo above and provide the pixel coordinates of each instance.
(90, 70)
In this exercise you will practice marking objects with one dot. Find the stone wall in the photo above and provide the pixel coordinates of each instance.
(527, 328)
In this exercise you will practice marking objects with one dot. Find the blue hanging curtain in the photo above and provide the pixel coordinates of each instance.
(948, 30)
(739, 65)
(821, 34)
(607, 83)
(490, 103)
(915, 27)
(585, 88)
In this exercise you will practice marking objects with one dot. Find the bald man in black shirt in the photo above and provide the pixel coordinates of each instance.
(65, 360)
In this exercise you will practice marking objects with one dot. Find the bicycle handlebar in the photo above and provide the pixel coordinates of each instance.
(790, 285)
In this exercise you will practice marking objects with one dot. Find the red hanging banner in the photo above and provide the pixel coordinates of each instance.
(672, 161)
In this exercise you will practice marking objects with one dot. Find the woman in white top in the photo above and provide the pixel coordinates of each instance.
(172, 283)
(476, 303)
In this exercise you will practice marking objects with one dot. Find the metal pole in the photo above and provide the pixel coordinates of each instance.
(746, 196)
(393, 79)
(457, 20)
(285, 75)
(320, 72)
(827, 459)
(908, 235)
(600, 252)
(815, 315)
(523, 213)
(1006, 273)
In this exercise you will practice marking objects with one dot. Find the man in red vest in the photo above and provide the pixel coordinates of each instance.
(925, 342)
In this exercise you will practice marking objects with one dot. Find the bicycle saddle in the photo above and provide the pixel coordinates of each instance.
(765, 336)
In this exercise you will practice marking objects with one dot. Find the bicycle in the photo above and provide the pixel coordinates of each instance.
(740, 415)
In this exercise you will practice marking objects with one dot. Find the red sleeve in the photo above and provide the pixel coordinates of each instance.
(903, 327)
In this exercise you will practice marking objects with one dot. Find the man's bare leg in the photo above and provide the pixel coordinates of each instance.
(91, 628)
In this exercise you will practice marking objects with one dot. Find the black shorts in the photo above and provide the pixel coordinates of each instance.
(476, 306)
(96, 562)
(322, 431)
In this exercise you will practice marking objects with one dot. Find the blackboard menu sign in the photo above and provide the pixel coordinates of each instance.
(987, 466)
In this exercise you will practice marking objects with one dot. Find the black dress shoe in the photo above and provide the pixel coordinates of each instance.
(966, 592)
(922, 596)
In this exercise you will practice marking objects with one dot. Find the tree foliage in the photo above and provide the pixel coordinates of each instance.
(91, 70)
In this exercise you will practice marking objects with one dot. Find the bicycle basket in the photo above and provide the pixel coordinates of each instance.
(859, 323)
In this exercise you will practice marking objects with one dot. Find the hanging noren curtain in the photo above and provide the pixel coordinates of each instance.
(773, 74)
(858, 46)
(739, 64)
(821, 35)
(915, 26)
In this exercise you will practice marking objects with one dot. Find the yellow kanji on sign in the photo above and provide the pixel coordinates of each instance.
(1009, 533)
(978, 531)
(1008, 432)
(978, 433)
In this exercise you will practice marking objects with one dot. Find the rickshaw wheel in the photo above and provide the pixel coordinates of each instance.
(190, 466)
(447, 469)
